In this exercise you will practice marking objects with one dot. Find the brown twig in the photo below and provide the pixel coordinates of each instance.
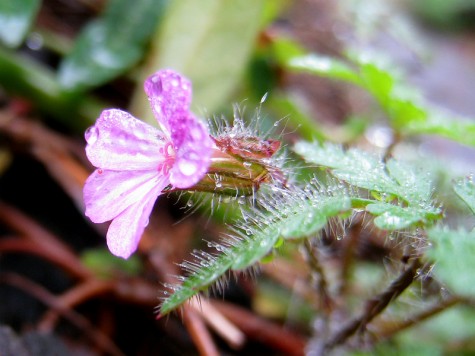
(262, 330)
(31, 230)
(74, 296)
(198, 332)
(215, 320)
(99, 338)
(375, 306)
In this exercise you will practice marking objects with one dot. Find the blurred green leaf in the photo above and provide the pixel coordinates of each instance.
(27, 78)
(209, 41)
(106, 265)
(16, 17)
(465, 189)
(325, 67)
(404, 106)
(111, 44)
(453, 252)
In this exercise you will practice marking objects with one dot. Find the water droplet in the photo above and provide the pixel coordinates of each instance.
(264, 97)
(187, 168)
(247, 164)
(242, 200)
(91, 135)
(100, 171)
(248, 232)
(196, 134)
(218, 184)
(339, 237)
(189, 204)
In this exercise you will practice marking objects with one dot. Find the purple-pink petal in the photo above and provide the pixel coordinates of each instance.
(169, 94)
(193, 152)
(108, 193)
(170, 97)
(127, 228)
(119, 141)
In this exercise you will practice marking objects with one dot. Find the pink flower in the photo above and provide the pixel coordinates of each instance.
(135, 161)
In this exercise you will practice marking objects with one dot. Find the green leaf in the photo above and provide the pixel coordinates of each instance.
(324, 66)
(394, 180)
(404, 106)
(394, 217)
(465, 189)
(296, 214)
(16, 17)
(111, 44)
(106, 265)
(23, 76)
(453, 253)
(210, 42)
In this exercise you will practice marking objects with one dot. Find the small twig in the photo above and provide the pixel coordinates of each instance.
(222, 326)
(74, 296)
(419, 317)
(375, 305)
(262, 330)
(42, 294)
(192, 319)
(198, 332)
(22, 245)
(318, 275)
(27, 227)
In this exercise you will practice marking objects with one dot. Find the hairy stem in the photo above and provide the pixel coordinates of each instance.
(318, 275)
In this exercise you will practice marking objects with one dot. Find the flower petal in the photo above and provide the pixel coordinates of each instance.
(108, 193)
(118, 141)
(192, 152)
(169, 94)
(126, 229)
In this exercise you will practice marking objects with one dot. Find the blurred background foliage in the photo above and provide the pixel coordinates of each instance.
(393, 74)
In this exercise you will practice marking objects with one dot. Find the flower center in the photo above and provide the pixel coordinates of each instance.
(169, 159)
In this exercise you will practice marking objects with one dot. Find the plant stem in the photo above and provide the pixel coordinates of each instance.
(375, 305)
(419, 317)
(319, 275)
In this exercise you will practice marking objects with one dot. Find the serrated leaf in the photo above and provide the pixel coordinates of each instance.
(16, 17)
(296, 215)
(465, 189)
(393, 217)
(453, 253)
(111, 44)
(395, 179)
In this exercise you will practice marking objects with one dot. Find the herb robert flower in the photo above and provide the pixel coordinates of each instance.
(135, 162)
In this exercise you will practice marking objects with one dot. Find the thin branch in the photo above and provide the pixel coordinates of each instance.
(198, 332)
(318, 275)
(30, 229)
(74, 296)
(42, 294)
(375, 305)
(419, 317)
(221, 325)
(257, 328)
